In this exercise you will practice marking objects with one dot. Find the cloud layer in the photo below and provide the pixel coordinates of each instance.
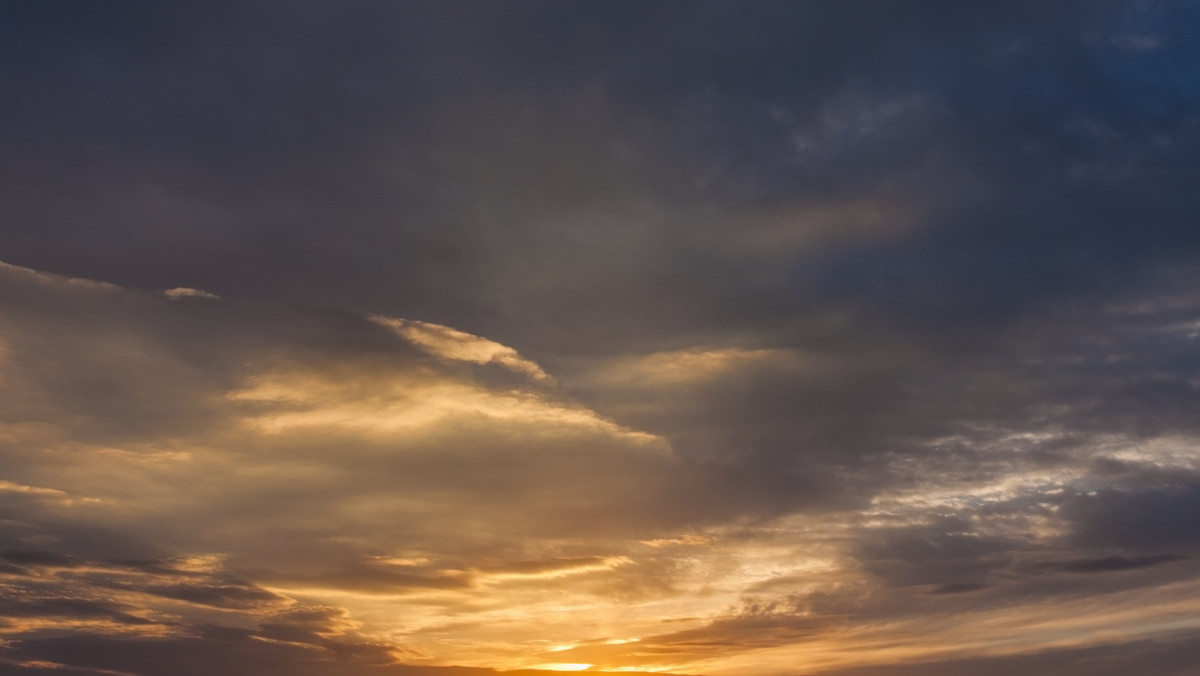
(755, 338)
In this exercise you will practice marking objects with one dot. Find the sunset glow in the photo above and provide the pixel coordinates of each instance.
(461, 338)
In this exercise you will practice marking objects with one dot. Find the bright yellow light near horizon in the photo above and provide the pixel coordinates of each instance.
(564, 666)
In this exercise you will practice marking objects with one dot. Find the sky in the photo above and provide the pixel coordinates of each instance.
(451, 337)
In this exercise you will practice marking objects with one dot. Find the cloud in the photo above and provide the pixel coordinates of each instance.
(1153, 517)
(1172, 655)
(958, 588)
(317, 474)
(595, 205)
(445, 342)
(327, 465)
(1106, 565)
(184, 292)
(376, 580)
(790, 333)
(296, 454)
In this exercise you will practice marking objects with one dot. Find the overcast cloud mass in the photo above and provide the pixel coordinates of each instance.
(437, 338)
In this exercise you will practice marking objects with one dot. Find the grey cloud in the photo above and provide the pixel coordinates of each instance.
(39, 558)
(958, 588)
(376, 580)
(231, 652)
(455, 149)
(1107, 564)
(1147, 519)
(236, 653)
(312, 635)
(68, 608)
(946, 546)
(1174, 655)
(176, 567)
(54, 585)
(40, 669)
(216, 593)
(1074, 379)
